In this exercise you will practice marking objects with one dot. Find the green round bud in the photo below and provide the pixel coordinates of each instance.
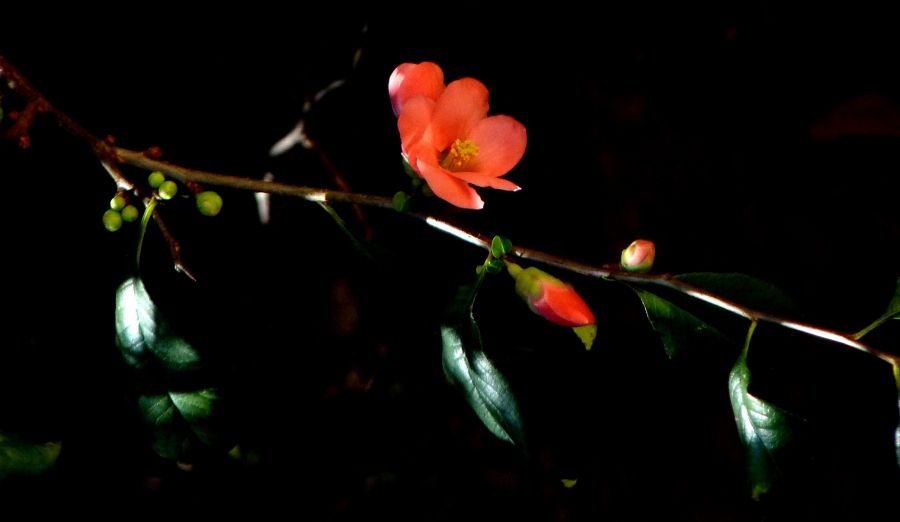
(168, 189)
(130, 213)
(118, 202)
(112, 220)
(156, 179)
(209, 203)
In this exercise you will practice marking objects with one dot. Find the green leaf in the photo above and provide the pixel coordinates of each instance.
(20, 457)
(742, 289)
(180, 420)
(483, 384)
(678, 329)
(500, 246)
(143, 335)
(894, 305)
(763, 427)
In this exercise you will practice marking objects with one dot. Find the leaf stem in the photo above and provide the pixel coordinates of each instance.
(750, 331)
(875, 324)
(145, 220)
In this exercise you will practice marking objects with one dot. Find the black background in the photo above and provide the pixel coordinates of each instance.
(690, 126)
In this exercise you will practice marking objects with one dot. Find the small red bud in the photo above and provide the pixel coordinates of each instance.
(154, 152)
(639, 256)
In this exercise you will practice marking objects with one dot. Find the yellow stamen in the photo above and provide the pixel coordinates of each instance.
(459, 155)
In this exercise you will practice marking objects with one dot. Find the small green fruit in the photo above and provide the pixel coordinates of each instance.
(168, 189)
(156, 179)
(209, 203)
(112, 220)
(118, 202)
(130, 213)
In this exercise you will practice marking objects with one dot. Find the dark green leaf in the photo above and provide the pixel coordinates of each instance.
(142, 333)
(180, 420)
(678, 329)
(19, 457)
(484, 386)
(894, 306)
(763, 428)
(467, 366)
(743, 290)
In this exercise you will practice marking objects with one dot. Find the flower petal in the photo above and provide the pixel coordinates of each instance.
(412, 79)
(560, 304)
(463, 104)
(414, 123)
(448, 188)
(501, 143)
(480, 180)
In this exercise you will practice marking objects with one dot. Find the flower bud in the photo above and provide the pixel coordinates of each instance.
(209, 203)
(168, 189)
(639, 256)
(130, 213)
(112, 220)
(156, 178)
(550, 298)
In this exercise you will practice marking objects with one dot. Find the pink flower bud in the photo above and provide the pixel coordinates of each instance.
(639, 256)
(550, 298)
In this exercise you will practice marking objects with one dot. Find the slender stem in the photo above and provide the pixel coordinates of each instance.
(753, 325)
(324, 196)
(346, 230)
(875, 324)
(149, 208)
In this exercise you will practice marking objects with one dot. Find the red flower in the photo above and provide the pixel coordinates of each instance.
(447, 136)
(550, 298)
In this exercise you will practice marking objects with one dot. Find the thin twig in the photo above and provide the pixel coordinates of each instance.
(300, 135)
(37, 103)
(318, 195)
(174, 247)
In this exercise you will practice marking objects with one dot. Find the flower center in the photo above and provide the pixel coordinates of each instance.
(459, 155)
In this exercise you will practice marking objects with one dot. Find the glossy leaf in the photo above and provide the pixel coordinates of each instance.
(183, 418)
(742, 289)
(483, 384)
(142, 333)
(894, 306)
(678, 329)
(180, 420)
(763, 427)
(20, 457)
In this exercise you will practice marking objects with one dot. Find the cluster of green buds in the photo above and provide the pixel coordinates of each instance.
(120, 211)
(209, 203)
